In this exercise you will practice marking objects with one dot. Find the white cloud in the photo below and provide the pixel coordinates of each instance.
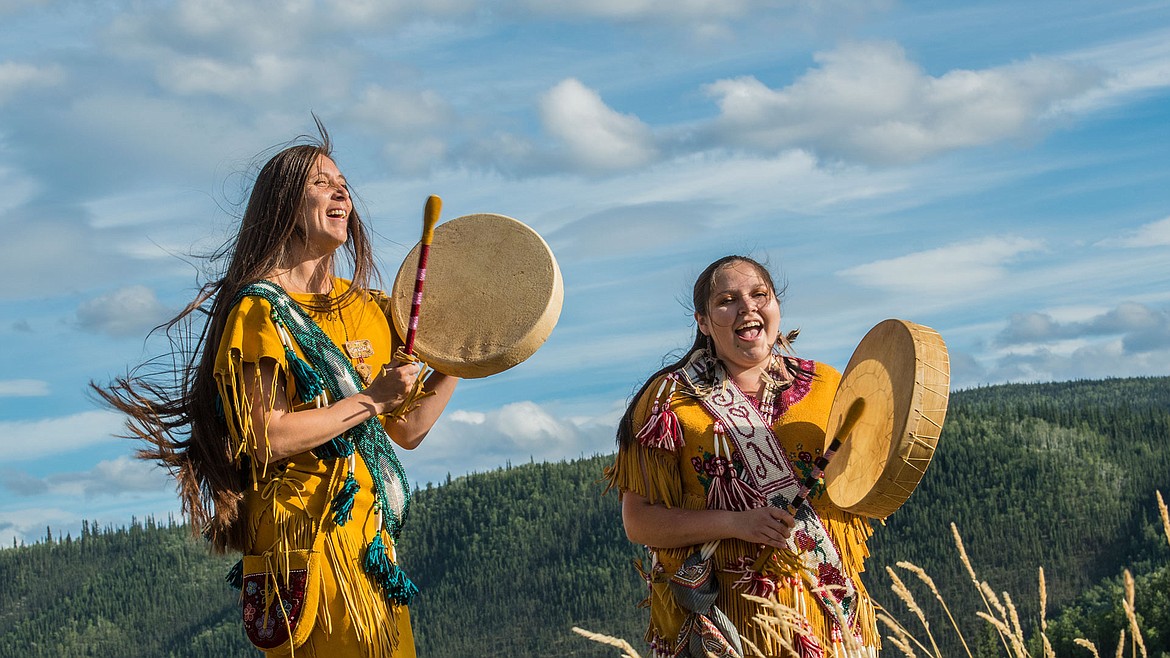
(369, 13)
(261, 74)
(868, 101)
(467, 417)
(1154, 234)
(415, 125)
(641, 228)
(64, 513)
(17, 78)
(129, 311)
(29, 439)
(702, 15)
(111, 477)
(28, 525)
(240, 31)
(463, 442)
(401, 111)
(597, 137)
(23, 388)
(1093, 360)
(1141, 328)
(953, 270)
(1135, 66)
(268, 23)
(243, 53)
(640, 9)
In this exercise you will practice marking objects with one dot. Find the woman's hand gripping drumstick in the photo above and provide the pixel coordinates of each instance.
(851, 417)
(405, 357)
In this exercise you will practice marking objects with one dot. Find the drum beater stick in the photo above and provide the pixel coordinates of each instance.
(822, 462)
(430, 218)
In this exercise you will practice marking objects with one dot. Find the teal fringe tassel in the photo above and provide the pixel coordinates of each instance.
(342, 505)
(235, 576)
(400, 589)
(396, 586)
(308, 381)
(336, 448)
(376, 563)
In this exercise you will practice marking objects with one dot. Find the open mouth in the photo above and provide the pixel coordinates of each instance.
(337, 213)
(749, 331)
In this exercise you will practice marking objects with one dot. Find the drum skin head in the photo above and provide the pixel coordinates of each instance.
(492, 295)
(902, 371)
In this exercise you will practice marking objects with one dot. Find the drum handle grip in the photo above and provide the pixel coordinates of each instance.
(852, 415)
(430, 218)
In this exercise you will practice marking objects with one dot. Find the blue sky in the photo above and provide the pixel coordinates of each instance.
(996, 171)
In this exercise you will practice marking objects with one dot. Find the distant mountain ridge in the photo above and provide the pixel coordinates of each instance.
(1055, 475)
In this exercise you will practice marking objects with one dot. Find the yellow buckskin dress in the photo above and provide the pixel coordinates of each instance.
(289, 500)
(683, 476)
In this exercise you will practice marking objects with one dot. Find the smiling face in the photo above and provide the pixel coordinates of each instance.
(742, 318)
(325, 208)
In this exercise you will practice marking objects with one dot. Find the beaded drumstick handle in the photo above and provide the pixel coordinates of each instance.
(430, 218)
(819, 466)
(406, 352)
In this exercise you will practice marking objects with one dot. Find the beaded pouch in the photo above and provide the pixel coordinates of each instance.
(280, 606)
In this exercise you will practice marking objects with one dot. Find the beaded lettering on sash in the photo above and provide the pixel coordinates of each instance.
(771, 474)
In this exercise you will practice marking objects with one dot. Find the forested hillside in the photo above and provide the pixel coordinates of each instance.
(145, 590)
(1056, 475)
(1060, 476)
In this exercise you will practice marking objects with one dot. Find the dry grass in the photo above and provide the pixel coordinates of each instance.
(1001, 613)
(781, 623)
(1127, 604)
(627, 650)
(1165, 515)
(1088, 645)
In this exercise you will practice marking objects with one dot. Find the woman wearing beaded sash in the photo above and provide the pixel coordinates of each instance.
(703, 447)
(281, 422)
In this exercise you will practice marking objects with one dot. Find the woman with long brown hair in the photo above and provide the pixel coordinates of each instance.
(710, 451)
(280, 421)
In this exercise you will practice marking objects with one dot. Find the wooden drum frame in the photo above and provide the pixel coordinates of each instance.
(902, 371)
(493, 295)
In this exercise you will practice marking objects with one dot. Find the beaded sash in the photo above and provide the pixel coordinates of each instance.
(341, 380)
(770, 473)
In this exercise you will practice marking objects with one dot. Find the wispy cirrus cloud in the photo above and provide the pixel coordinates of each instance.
(31, 439)
(952, 269)
(23, 388)
(1154, 234)
(111, 477)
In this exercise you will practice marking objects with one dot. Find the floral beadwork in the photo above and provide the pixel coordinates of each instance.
(805, 462)
(806, 543)
(829, 578)
(265, 624)
(711, 466)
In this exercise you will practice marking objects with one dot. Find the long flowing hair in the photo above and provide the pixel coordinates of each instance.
(701, 296)
(172, 401)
